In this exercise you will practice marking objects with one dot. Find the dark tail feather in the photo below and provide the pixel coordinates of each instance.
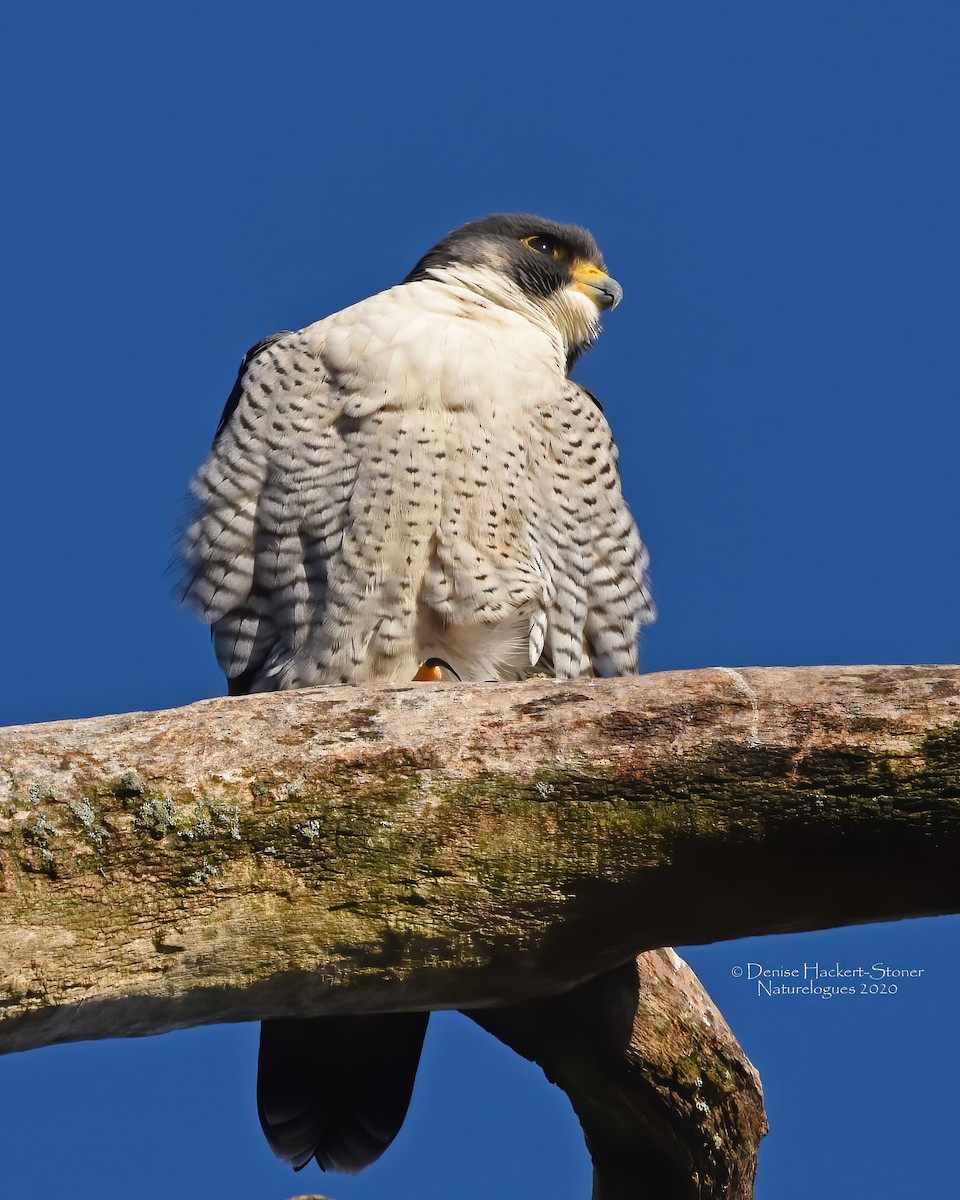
(337, 1088)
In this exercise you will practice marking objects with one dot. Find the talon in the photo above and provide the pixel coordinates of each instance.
(435, 670)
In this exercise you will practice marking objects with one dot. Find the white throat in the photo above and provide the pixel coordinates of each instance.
(568, 316)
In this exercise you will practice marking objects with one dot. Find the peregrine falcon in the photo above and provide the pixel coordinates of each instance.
(414, 488)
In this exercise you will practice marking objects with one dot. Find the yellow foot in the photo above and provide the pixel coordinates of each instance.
(435, 670)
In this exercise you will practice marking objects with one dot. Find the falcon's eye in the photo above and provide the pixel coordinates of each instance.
(544, 244)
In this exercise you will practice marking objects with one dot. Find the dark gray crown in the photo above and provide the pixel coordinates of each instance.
(472, 244)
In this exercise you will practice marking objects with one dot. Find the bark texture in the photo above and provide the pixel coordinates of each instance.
(670, 1105)
(432, 846)
(503, 849)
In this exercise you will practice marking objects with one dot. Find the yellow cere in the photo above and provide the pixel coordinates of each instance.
(586, 272)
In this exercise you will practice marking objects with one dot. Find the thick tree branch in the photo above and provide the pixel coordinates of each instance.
(430, 846)
(503, 849)
(670, 1105)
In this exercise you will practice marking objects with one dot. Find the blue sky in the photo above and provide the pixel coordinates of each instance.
(776, 187)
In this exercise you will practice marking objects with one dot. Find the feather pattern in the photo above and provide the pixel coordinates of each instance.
(389, 485)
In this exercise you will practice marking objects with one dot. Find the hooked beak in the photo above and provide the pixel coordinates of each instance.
(602, 290)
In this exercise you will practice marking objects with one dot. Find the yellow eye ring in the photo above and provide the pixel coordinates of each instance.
(542, 243)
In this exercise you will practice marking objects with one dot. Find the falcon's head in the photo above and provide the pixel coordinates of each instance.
(548, 271)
